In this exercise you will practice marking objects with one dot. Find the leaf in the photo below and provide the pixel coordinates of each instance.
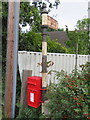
(77, 110)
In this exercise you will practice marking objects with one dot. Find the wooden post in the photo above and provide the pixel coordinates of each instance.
(9, 65)
(23, 99)
(12, 53)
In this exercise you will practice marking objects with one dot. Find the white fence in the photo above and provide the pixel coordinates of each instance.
(66, 62)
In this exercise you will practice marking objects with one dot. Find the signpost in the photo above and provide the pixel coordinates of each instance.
(45, 24)
(44, 51)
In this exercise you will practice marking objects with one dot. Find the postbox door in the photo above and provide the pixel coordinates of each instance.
(34, 97)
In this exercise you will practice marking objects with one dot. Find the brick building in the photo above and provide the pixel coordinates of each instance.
(52, 23)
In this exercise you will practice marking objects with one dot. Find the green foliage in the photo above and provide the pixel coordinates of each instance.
(29, 112)
(55, 47)
(50, 29)
(80, 36)
(4, 42)
(83, 24)
(30, 15)
(70, 98)
(4, 29)
(30, 41)
(33, 42)
(62, 29)
(51, 5)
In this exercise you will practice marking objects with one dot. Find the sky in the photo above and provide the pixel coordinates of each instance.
(69, 12)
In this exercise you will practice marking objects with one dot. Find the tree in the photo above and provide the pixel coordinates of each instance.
(55, 47)
(32, 42)
(30, 15)
(80, 35)
(83, 24)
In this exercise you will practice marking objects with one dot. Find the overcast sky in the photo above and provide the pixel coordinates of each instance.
(69, 12)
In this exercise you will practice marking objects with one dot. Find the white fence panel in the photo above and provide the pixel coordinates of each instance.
(66, 62)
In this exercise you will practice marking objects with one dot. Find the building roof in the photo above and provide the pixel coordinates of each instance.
(61, 36)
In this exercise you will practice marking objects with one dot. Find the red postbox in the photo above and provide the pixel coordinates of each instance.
(34, 88)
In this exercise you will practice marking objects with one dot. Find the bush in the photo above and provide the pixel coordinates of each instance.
(29, 112)
(70, 98)
(55, 47)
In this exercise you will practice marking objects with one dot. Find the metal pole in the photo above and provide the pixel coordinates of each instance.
(44, 52)
(76, 56)
(16, 26)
